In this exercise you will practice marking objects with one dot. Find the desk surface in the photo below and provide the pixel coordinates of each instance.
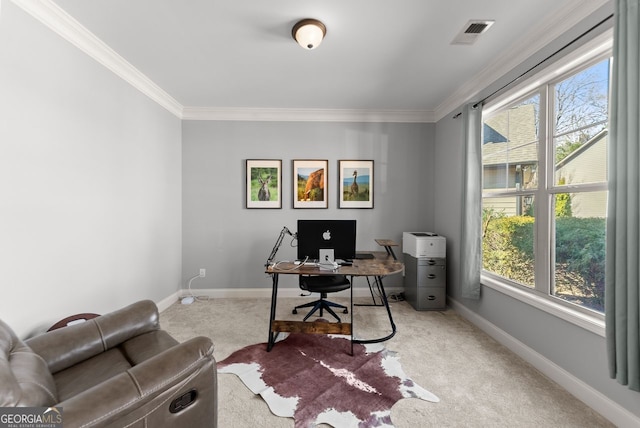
(381, 265)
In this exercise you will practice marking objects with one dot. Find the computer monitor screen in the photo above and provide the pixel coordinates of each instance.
(339, 235)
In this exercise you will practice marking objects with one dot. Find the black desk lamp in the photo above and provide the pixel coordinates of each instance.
(285, 231)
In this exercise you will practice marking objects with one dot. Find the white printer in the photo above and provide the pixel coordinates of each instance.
(424, 244)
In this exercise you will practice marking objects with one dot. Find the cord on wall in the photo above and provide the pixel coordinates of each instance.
(187, 300)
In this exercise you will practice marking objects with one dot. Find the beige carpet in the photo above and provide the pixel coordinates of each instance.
(480, 383)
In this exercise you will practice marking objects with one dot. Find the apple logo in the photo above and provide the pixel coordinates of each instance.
(326, 235)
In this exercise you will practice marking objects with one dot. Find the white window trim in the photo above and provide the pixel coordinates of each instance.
(582, 317)
(598, 46)
(592, 322)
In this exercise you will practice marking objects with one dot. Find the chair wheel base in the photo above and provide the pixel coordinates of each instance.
(294, 311)
(346, 311)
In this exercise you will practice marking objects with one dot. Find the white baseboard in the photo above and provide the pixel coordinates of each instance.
(593, 398)
(247, 293)
(167, 301)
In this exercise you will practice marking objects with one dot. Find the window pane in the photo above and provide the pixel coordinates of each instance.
(507, 243)
(510, 147)
(580, 248)
(580, 137)
(578, 163)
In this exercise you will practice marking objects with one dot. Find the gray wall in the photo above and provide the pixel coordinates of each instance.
(572, 348)
(101, 204)
(233, 242)
(90, 183)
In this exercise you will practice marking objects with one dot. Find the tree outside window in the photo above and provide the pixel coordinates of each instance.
(544, 188)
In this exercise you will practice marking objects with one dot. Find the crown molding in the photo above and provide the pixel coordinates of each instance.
(71, 30)
(545, 32)
(307, 115)
(75, 33)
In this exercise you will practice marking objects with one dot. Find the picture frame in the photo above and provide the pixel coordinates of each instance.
(264, 183)
(356, 179)
(310, 183)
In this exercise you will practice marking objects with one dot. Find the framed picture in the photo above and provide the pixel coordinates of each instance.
(356, 184)
(264, 183)
(310, 183)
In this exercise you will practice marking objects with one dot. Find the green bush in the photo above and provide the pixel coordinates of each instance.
(507, 247)
(563, 205)
(580, 251)
(508, 250)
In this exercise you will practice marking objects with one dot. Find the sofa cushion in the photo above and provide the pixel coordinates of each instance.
(91, 372)
(64, 347)
(147, 345)
(24, 375)
(108, 364)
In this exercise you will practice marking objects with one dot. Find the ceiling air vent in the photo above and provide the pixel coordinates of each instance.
(471, 31)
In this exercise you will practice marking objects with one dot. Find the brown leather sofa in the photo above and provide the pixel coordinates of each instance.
(116, 370)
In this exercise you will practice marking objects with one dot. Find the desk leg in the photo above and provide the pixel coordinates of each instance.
(386, 304)
(351, 312)
(274, 298)
(390, 252)
(373, 297)
(383, 296)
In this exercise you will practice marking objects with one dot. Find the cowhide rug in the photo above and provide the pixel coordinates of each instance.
(314, 379)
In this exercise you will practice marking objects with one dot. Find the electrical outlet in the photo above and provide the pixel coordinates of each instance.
(203, 272)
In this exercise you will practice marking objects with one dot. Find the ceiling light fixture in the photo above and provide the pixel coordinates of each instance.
(309, 33)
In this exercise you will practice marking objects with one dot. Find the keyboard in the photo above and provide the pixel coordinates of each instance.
(363, 256)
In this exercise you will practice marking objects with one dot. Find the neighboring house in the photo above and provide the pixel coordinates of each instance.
(510, 157)
(587, 164)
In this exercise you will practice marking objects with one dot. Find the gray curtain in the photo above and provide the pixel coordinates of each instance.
(471, 241)
(622, 300)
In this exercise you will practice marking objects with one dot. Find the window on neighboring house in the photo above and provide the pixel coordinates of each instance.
(545, 186)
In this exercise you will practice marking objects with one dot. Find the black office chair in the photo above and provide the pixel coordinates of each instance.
(323, 284)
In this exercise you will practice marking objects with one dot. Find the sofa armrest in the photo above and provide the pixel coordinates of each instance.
(67, 346)
(147, 390)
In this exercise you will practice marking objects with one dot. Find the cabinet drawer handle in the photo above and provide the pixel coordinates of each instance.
(431, 297)
(431, 262)
(431, 276)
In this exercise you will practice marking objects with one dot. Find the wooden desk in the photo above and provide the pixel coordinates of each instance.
(388, 245)
(380, 266)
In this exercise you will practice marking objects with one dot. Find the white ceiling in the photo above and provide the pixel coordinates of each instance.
(378, 55)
